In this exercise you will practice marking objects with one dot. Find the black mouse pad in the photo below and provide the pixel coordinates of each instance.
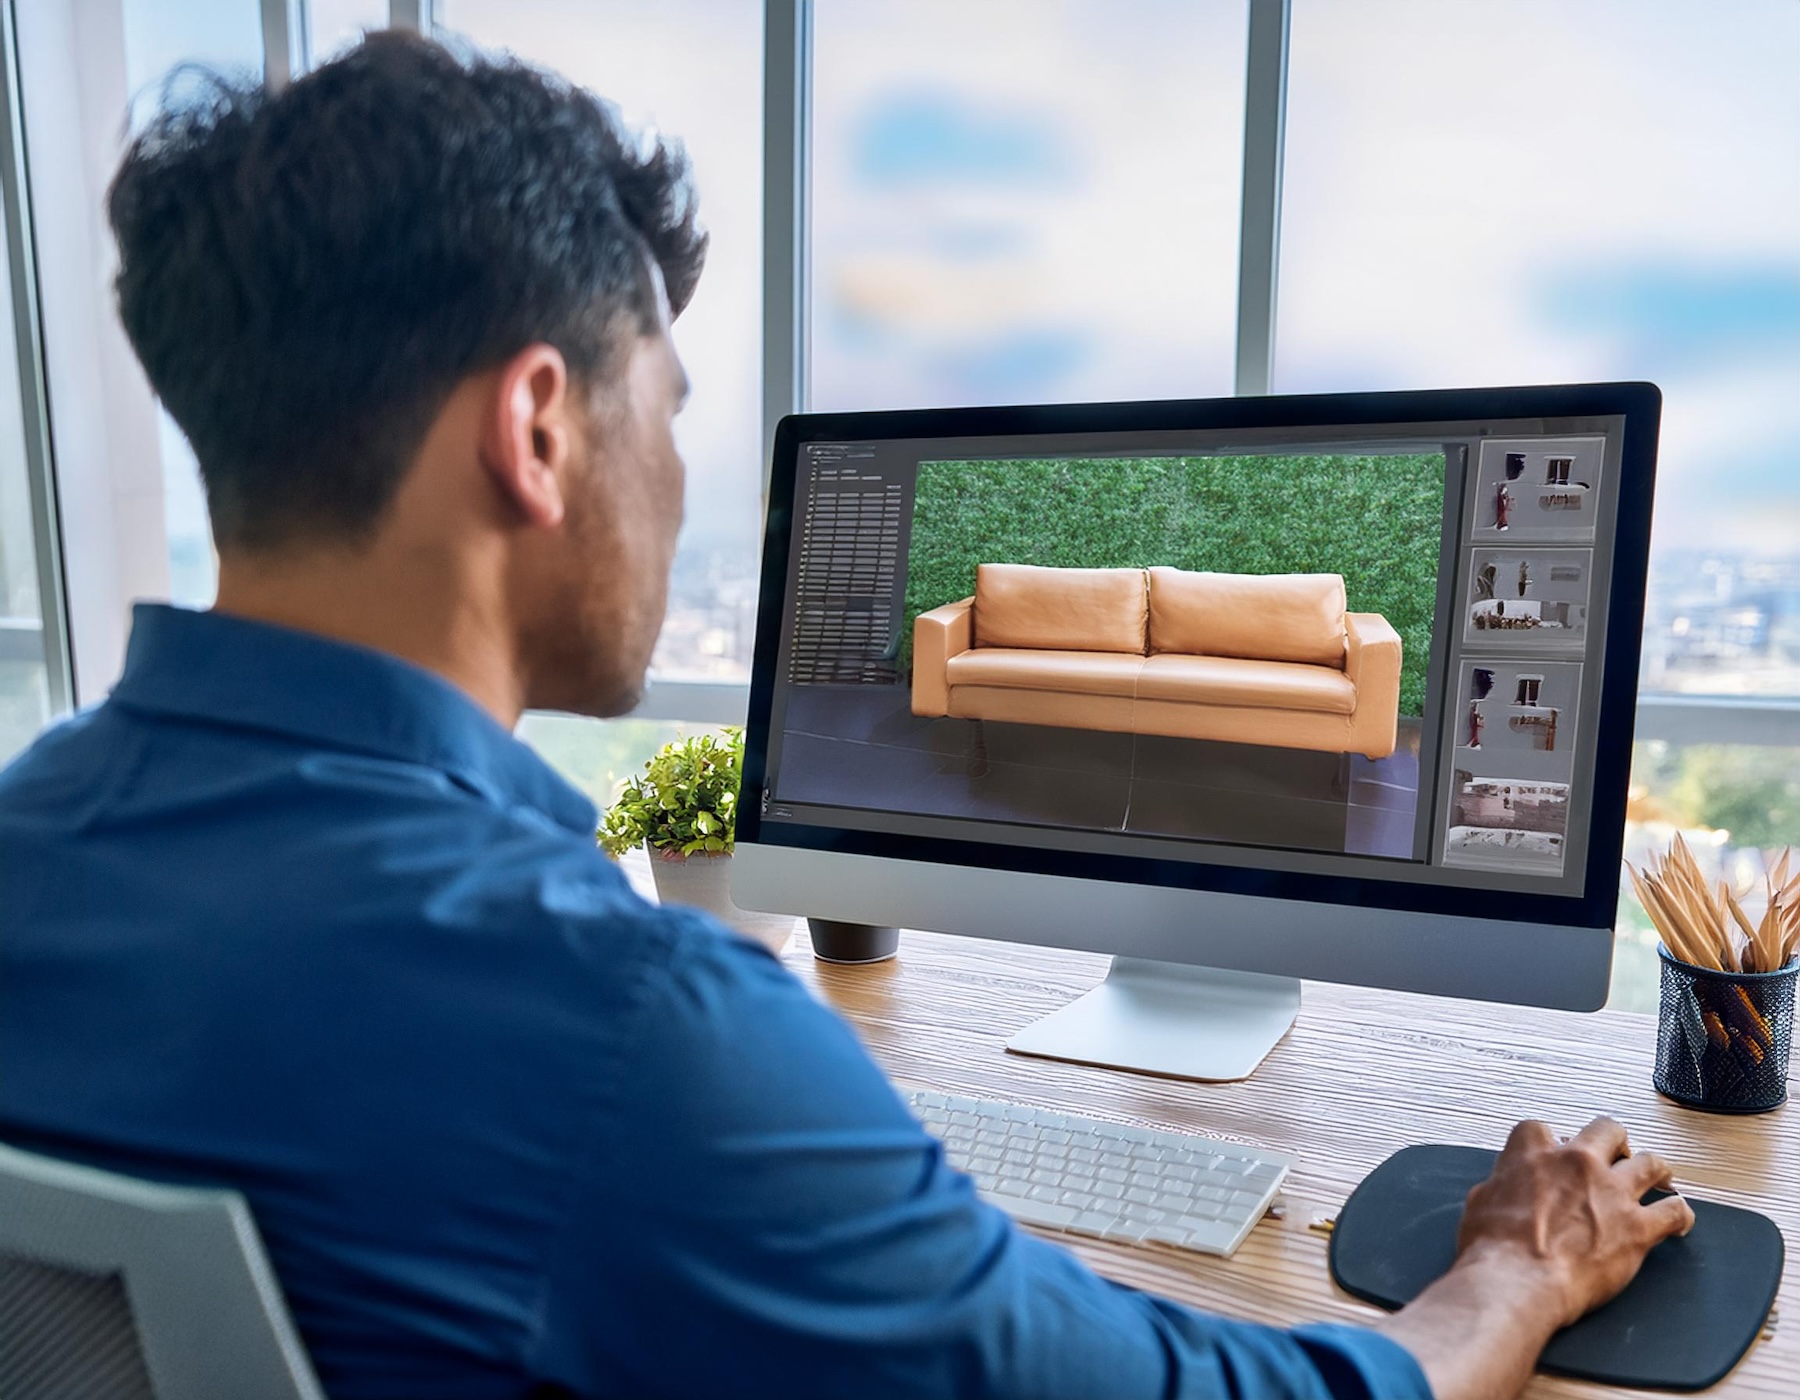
(1681, 1324)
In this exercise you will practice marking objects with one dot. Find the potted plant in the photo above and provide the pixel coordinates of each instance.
(683, 811)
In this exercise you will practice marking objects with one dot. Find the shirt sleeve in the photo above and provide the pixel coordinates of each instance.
(767, 1218)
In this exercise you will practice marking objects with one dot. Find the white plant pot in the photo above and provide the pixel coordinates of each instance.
(704, 882)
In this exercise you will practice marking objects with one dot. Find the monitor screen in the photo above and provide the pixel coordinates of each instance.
(1370, 649)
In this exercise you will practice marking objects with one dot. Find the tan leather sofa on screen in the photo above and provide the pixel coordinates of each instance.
(1251, 658)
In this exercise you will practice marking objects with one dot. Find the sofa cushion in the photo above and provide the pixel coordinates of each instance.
(1262, 617)
(1023, 605)
(1229, 680)
(1079, 672)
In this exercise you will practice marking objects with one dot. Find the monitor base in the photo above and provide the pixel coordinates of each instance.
(1169, 1018)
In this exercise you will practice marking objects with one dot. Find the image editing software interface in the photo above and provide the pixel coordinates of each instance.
(1370, 651)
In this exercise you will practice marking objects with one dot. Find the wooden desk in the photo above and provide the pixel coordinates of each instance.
(1362, 1074)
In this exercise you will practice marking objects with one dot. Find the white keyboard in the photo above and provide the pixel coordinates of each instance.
(1114, 1182)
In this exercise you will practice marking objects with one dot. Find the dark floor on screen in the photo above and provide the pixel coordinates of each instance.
(861, 746)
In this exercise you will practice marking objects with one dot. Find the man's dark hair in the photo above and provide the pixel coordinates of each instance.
(307, 275)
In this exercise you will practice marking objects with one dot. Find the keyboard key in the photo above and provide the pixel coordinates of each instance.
(1215, 1236)
(1046, 1213)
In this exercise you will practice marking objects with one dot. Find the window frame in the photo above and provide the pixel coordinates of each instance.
(787, 88)
(52, 641)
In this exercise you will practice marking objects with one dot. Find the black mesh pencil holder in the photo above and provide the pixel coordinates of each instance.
(1722, 1038)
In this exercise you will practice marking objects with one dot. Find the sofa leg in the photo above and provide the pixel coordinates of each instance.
(978, 753)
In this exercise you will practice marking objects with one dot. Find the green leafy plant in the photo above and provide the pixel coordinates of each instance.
(685, 803)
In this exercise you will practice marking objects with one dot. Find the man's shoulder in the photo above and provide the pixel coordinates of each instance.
(63, 765)
(61, 741)
(364, 843)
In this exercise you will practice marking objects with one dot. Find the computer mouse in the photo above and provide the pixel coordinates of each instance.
(1694, 1309)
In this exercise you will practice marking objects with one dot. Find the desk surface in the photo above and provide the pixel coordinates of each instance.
(1361, 1074)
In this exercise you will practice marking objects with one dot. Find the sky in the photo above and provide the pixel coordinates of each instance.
(1032, 200)
(1554, 190)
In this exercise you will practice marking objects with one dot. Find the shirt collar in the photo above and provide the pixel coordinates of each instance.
(220, 669)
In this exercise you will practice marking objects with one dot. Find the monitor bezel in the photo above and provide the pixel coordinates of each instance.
(1638, 404)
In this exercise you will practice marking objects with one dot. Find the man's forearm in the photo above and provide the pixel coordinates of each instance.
(1478, 1330)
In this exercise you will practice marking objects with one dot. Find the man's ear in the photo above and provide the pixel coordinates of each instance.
(526, 432)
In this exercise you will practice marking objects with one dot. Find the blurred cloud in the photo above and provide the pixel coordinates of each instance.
(935, 137)
(1676, 314)
(1018, 365)
(1024, 200)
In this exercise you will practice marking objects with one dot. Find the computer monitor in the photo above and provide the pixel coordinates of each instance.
(1239, 691)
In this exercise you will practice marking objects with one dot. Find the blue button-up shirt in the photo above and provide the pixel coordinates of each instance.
(300, 918)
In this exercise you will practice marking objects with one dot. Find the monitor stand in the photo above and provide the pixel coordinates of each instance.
(1169, 1018)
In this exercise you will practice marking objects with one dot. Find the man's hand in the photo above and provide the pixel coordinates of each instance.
(1556, 1231)
(1571, 1213)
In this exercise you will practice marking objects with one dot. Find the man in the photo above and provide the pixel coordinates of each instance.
(293, 912)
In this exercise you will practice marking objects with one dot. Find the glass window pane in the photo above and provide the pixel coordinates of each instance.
(1024, 200)
(332, 25)
(1736, 805)
(24, 683)
(159, 37)
(1545, 191)
(598, 757)
(692, 69)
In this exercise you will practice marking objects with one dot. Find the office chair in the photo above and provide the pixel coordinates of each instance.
(124, 1289)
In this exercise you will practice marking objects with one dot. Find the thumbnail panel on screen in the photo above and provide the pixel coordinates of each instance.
(1220, 649)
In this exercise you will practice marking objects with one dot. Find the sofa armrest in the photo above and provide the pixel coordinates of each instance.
(1372, 664)
(939, 635)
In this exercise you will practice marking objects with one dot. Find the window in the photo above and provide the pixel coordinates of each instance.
(336, 24)
(692, 68)
(598, 758)
(159, 37)
(25, 694)
(1016, 202)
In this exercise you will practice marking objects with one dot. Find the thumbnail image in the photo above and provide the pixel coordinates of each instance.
(1218, 648)
(1530, 598)
(1517, 716)
(1507, 823)
(1537, 489)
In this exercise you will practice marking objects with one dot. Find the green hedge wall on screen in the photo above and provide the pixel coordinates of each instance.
(1373, 519)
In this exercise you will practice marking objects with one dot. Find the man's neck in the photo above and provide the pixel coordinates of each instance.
(413, 606)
